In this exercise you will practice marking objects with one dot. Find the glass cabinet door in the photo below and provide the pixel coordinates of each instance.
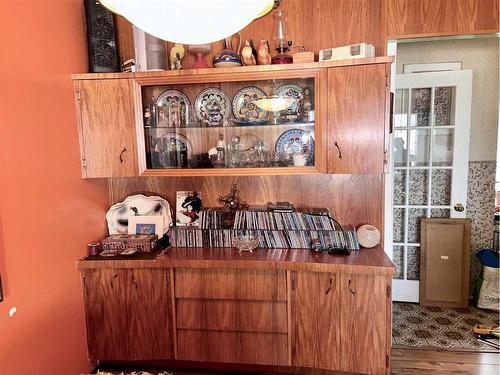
(247, 124)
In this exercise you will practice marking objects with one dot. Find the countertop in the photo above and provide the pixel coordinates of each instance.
(366, 261)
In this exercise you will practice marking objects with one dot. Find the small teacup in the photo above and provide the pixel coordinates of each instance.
(299, 160)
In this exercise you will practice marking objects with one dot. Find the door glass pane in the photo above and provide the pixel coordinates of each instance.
(420, 114)
(414, 216)
(400, 148)
(418, 187)
(399, 186)
(419, 147)
(401, 108)
(399, 225)
(399, 261)
(444, 106)
(413, 263)
(442, 148)
(441, 187)
(440, 212)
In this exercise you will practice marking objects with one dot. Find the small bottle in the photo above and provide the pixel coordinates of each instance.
(153, 113)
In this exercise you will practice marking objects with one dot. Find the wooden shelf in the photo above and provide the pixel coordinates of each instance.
(279, 125)
(240, 69)
(367, 261)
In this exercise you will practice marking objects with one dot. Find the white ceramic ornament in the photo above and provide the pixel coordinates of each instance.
(137, 205)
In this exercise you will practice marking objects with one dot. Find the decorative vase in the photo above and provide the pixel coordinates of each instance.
(228, 57)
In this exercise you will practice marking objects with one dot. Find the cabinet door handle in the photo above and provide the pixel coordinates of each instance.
(338, 149)
(329, 287)
(350, 289)
(121, 154)
(135, 282)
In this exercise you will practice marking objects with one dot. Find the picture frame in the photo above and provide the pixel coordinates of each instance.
(187, 208)
(146, 225)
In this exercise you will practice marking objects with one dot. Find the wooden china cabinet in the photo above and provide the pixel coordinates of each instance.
(276, 310)
(345, 131)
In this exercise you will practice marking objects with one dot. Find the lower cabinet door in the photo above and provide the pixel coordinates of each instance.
(128, 314)
(315, 319)
(365, 322)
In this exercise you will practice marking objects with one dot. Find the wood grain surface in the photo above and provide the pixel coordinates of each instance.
(326, 23)
(232, 315)
(356, 122)
(233, 284)
(114, 119)
(315, 320)
(128, 313)
(363, 323)
(354, 199)
(234, 347)
(366, 261)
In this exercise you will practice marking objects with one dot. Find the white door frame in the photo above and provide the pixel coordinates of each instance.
(408, 290)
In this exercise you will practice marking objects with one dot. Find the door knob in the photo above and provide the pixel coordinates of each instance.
(459, 207)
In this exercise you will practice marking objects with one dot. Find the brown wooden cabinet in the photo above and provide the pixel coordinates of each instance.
(128, 313)
(345, 132)
(315, 316)
(283, 308)
(106, 126)
(358, 119)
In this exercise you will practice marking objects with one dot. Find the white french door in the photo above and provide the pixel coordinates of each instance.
(429, 164)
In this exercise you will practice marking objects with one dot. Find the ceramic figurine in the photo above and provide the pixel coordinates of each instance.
(247, 53)
(263, 53)
(307, 105)
(176, 55)
(220, 142)
(228, 57)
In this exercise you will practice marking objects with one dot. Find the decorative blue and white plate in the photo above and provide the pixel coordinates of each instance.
(245, 111)
(173, 96)
(178, 140)
(212, 106)
(292, 91)
(296, 141)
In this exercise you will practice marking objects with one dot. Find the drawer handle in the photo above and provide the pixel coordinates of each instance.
(350, 289)
(329, 287)
(339, 150)
(121, 154)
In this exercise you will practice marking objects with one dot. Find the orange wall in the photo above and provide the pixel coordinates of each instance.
(47, 212)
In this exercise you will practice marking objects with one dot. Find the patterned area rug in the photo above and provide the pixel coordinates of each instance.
(416, 326)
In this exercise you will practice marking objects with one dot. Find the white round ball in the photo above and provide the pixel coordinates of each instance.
(368, 236)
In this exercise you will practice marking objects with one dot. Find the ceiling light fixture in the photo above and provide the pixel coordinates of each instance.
(191, 21)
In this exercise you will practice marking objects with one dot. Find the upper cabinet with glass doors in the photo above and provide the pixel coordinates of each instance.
(262, 120)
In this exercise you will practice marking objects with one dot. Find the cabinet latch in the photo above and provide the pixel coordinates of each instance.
(387, 361)
(389, 290)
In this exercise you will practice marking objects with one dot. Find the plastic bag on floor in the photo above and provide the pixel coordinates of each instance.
(489, 295)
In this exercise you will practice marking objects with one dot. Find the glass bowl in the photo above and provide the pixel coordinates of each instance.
(246, 242)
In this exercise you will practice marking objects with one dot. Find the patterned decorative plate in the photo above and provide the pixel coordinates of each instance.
(244, 110)
(212, 106)
(173, 96)
(118, 214)
(167, 98)
(180, 141)
(295, 141)
(294, 112)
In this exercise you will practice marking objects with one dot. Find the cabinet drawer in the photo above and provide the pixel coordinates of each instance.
(247, 316)
(244, 284)
(234, 347)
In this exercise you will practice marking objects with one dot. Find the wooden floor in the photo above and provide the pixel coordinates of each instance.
(410, 362)
(429, 362)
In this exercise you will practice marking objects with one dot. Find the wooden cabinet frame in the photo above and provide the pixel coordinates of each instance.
(324, 148)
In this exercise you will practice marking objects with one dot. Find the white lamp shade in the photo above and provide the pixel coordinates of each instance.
(274, 103)
(189, 21)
